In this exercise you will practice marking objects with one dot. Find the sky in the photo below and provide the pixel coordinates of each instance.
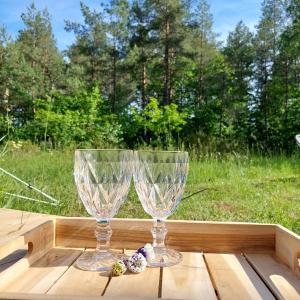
(227, 13)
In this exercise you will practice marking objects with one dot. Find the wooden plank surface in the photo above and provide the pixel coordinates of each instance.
(280, 279)
(79, 282)
(145, 284)
(16, 222)
(189, 236)
(188, 280)
(41, 275)
(234, 278)
(22, 296)
(9, 260)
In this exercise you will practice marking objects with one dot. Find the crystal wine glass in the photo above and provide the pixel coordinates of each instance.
(297, 137)
(103, 179)
(159, 178)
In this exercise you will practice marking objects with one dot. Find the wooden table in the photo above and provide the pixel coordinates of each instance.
(220, 260)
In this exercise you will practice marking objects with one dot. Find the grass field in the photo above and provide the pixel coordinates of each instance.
(238, 188)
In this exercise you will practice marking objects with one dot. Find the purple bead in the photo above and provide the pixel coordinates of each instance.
(125, 261)
(142, 251)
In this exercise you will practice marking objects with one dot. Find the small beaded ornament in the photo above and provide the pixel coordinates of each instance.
(137, 263)
(119, 268)
(147, 251)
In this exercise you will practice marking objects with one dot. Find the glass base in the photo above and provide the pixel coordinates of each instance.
(165, 257)
(97, 261)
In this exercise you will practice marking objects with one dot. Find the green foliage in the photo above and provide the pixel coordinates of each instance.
(63, 120)
(159, 126)
(243, 95)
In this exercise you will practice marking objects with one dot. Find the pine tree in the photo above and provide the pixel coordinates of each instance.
(118, 16)
(168, 25)
(266, 40)
(141, 49)
(38, 48)
(239, 53)
(204, 47)
(88, 54)
(286, 79)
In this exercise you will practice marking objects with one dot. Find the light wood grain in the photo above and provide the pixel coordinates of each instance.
(12, 258)
(39, 240)
(22, 296)
(188, 280)
(8, 247)
(287, 248)
(15, 223)
(41, 275)
(234, 278)
(280, 279)
(145, 284)
(186, 236)
(79, 282)
(46, 269)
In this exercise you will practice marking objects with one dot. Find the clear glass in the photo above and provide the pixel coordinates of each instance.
(159, 178)
(103, 179)
(298, 139)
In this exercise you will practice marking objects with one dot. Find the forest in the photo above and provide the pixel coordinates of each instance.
(153, 73)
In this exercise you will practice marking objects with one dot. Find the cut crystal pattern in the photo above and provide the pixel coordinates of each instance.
(160, 179)
(103, 180)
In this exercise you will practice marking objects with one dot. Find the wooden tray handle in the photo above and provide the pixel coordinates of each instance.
(297, 267)
(37, 241)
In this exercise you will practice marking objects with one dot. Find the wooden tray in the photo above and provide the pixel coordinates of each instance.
(220, 261)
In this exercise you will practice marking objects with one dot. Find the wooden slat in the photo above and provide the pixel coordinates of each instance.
(41, 275)
(189, 236)
(280, 279)
(234, 278)
(145, 284)
(79, 282)
(287, 248)
(188, 280)
(22, 296)
(12, 258)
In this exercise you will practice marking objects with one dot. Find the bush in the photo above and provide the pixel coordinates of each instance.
(64, 120)
(158, 127)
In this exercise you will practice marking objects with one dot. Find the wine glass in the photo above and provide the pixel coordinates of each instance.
(297, 137)
(159, 179)
(103, 179)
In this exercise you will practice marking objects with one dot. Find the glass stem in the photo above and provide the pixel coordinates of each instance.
(159, 232)
(103, 234)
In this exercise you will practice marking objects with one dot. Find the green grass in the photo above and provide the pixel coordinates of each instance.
(251, 189)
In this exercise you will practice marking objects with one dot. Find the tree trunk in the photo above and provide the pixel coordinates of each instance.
(200, 77)
(114, 82)
(265, 105)
(143, 87)
(167, 79)
(286, 92)
(222, 106)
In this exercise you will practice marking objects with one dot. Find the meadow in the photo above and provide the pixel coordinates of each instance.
(232, 187)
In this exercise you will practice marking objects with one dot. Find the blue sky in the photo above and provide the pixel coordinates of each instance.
(226, 15)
